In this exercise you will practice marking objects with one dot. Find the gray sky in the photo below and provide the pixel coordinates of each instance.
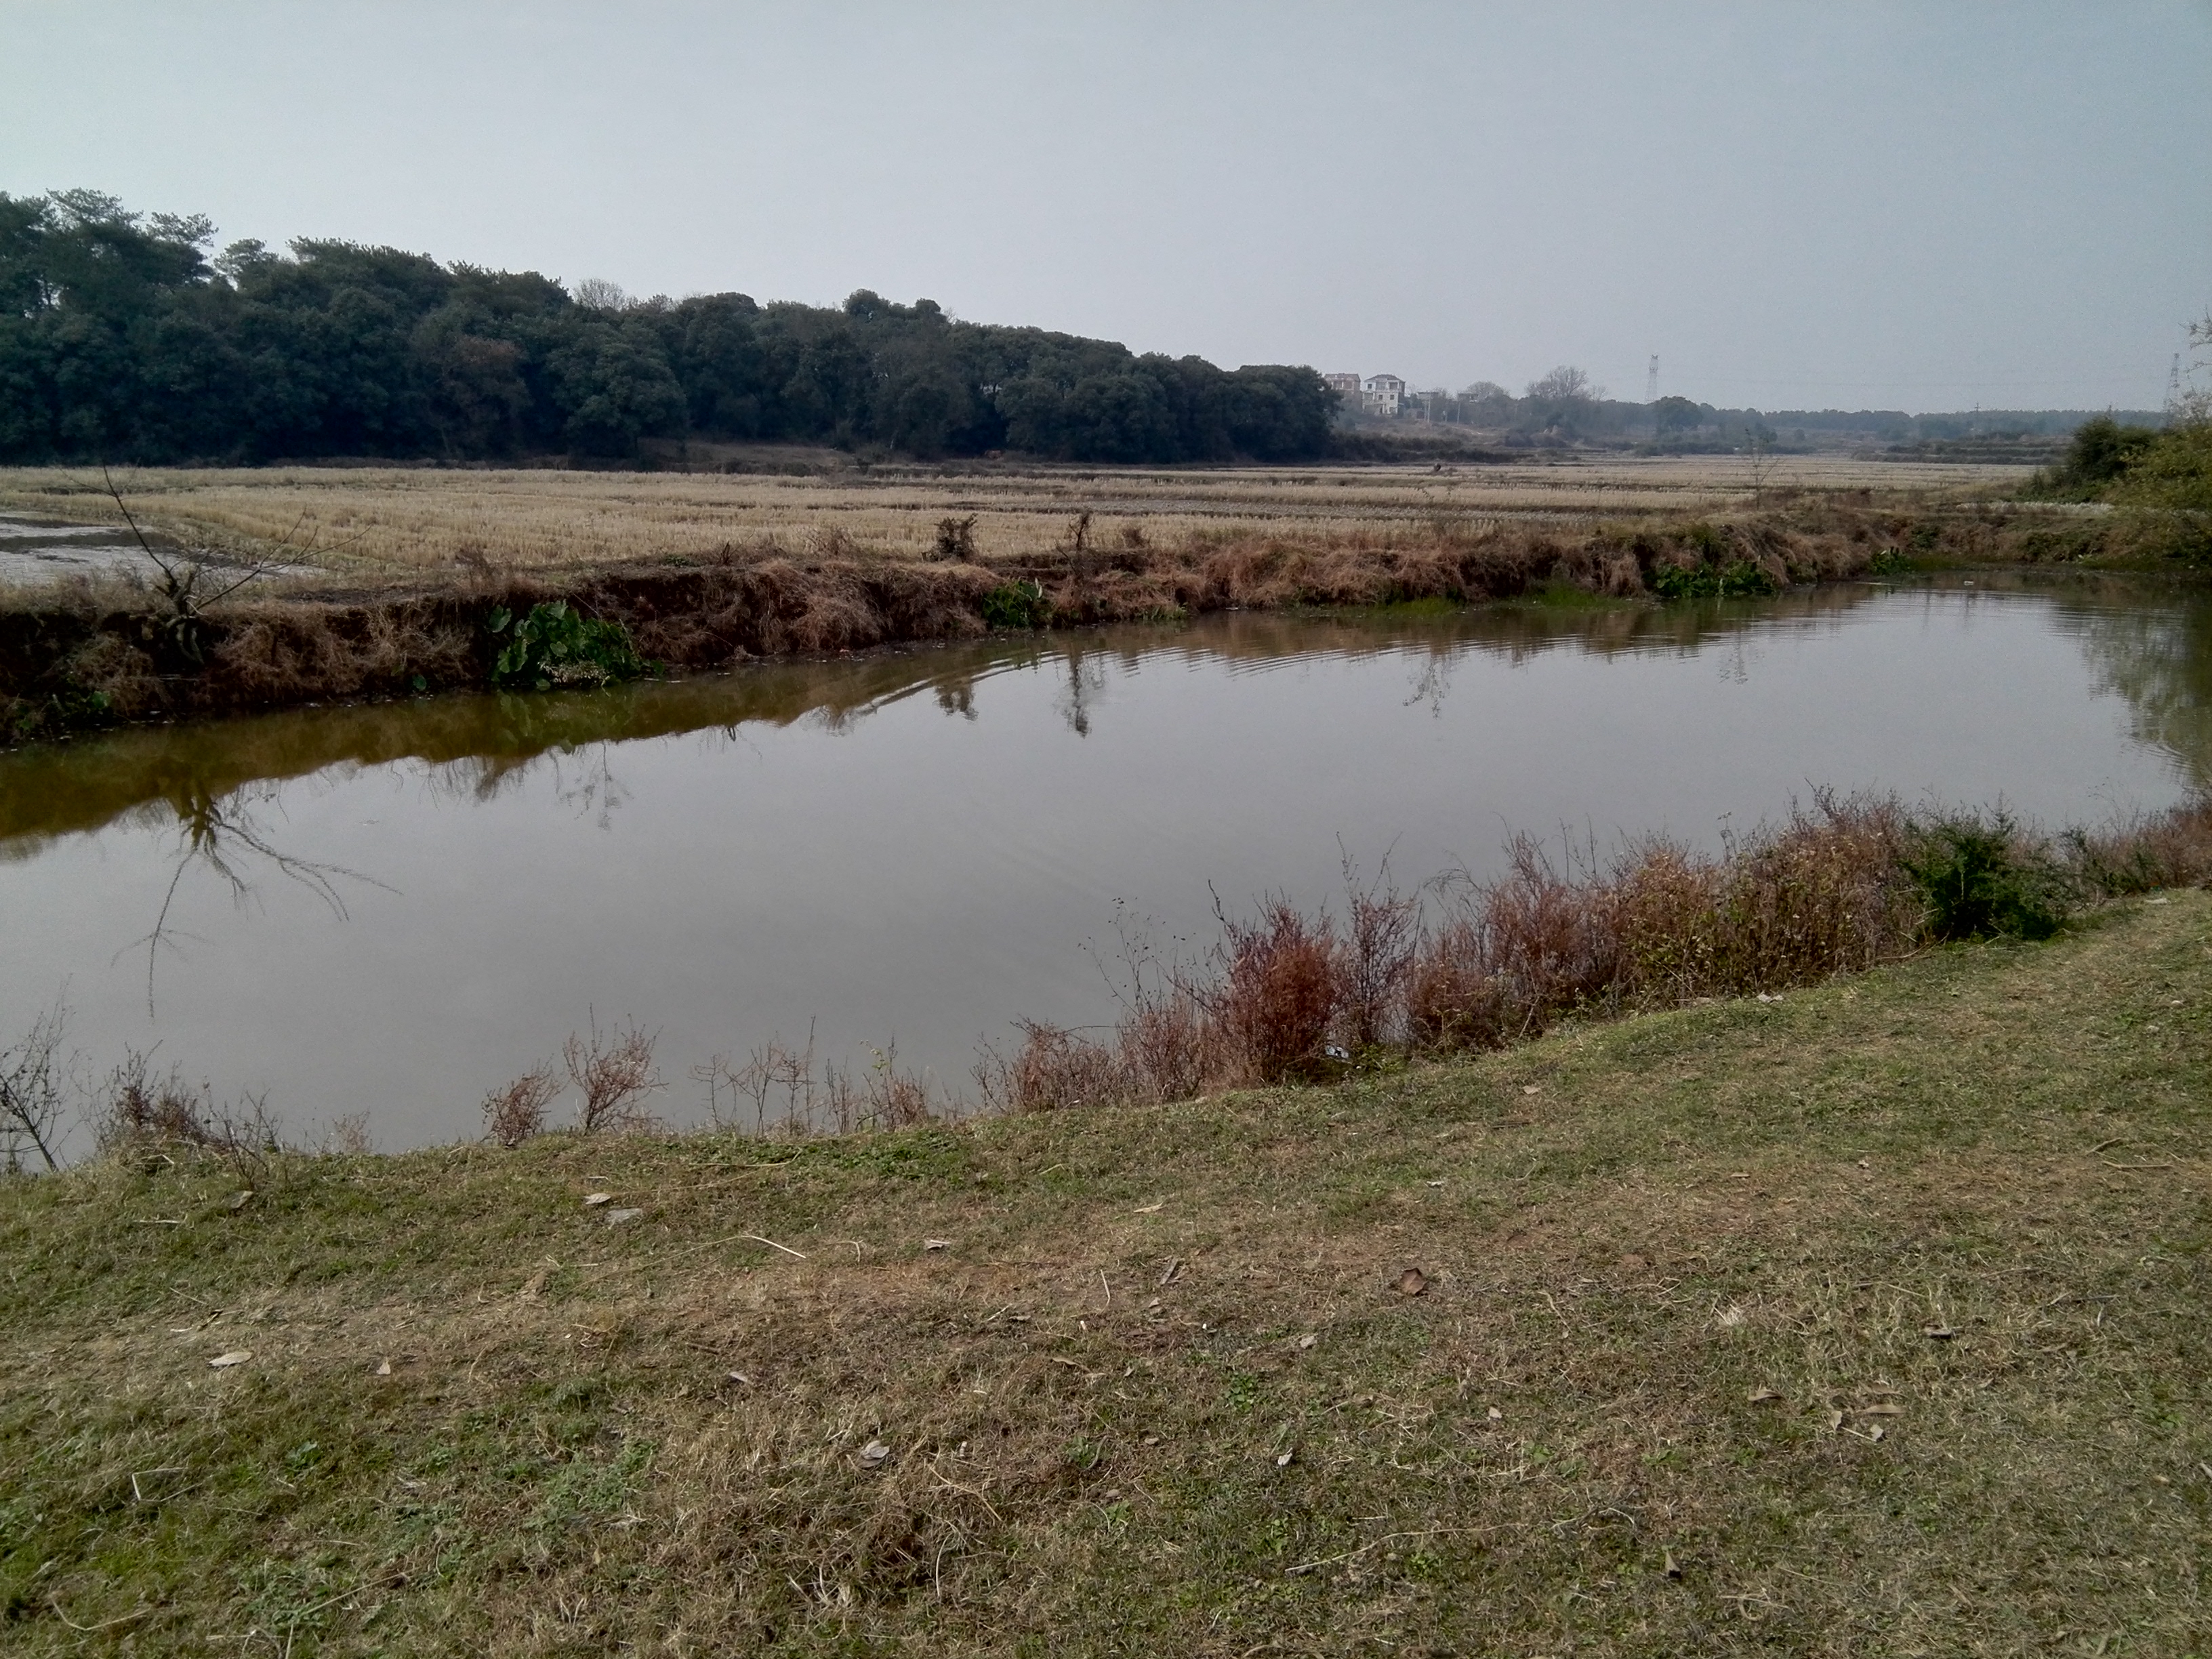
(1850, 204)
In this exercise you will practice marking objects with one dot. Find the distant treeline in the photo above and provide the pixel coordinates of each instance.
(122, 339)
(1565, 406)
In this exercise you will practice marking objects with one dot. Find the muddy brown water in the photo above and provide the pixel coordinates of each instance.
(387, 910)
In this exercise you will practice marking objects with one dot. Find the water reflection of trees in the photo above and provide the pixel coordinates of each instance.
(479, 746)
(222, 834)
(2159, 660)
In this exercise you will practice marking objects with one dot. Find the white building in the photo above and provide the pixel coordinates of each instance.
(1382, 394)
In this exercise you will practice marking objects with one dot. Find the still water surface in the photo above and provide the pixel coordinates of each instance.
(390, 909)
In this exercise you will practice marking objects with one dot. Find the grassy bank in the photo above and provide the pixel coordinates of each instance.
(1864, 1320)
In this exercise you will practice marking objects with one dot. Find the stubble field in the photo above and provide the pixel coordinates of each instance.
(359, 521)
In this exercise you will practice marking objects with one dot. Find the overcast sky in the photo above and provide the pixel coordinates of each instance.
(1851, 204)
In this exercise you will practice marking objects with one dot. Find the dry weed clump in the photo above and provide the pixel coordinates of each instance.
(514, 1113)
(2143, 854)
(136, 1108)
(883, 1097)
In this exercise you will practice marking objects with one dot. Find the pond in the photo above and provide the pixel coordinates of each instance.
(388, 910)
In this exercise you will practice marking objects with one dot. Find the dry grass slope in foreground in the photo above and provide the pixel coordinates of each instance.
(1869, 1321)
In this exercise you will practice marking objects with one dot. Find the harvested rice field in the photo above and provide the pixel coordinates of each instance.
(402, 522)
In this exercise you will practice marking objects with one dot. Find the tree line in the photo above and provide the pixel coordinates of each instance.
(124, 337)
(1566, 406)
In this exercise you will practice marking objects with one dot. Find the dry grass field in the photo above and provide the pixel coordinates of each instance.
(361, 521)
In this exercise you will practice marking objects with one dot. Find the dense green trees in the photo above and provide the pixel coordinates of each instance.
(121, 338)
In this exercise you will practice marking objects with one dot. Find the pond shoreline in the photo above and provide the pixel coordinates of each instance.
(95, 657)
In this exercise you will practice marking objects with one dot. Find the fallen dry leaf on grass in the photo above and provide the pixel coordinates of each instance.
(1152, 1208)
(1760, 1396)
(384, 1368)
(616, 1218)
(592, 1200)
(936, 1243)
(235, 1357)
(872, 1454)
(238, 1200)
(1413, 1282)
(1308, 1339)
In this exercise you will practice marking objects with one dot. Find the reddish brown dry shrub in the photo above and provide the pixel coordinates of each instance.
(515, 1113)
(1453, 999)
(1382, 932)
(1825, 892)
(1167, 1048)
(615, 1073)
(1278, 993)
(1555, 942)
(1054, 1068)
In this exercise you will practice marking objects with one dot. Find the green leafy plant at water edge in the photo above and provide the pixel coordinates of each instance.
(1739, 579)
(1980, 881)
(556, 646)
(70, 710)
(1017, 604)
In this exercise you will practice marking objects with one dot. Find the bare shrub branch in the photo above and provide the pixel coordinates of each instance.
(615, 1073)
(31, 1085)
